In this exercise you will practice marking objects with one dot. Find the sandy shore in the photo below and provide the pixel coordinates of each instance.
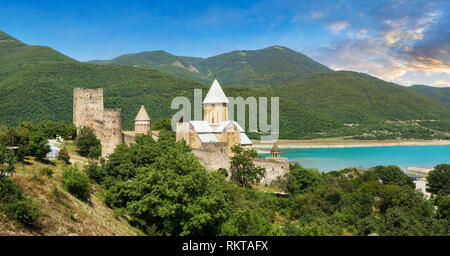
(330, 143)
(419, 169)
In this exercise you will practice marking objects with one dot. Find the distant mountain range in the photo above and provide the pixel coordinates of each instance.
(261, 68)
(37, 82)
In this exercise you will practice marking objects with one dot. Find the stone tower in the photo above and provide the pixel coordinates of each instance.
(88, 108)
(275, 152)
(142, 121)
(88, 111)
(215, 105)
(112, 130)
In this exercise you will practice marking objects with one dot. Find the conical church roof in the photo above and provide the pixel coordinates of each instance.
(215, 94)
(142, 115)
(275, 148)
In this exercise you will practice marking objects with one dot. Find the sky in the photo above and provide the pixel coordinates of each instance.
(405, 42)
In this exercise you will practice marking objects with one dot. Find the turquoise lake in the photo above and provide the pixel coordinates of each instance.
(328, 159)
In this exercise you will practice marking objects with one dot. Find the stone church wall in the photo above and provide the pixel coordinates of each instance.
(213, 156)
(275, 167)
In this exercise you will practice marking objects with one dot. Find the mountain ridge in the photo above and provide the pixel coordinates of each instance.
(37, 83)
(439, 93)
(247, 68)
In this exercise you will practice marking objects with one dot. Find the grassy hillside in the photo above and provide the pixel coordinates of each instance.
(442, 94)
(62, 213)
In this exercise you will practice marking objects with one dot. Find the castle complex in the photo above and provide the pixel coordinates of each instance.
(88, 111)
(211, 139)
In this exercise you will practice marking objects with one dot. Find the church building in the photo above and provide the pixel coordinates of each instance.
(215, 126)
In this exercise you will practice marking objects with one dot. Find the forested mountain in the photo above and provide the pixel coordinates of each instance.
(442, 94)
(353, 97)
(15, 55)
(260, 68)
(182, 67)
(267, 67)
(36, 83)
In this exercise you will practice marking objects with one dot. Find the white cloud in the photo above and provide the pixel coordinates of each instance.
(441, 83)
(337, 27)
(400, 48)
(315, 15)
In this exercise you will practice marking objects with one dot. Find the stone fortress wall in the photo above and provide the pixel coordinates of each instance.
(88, 111)
(213, 156)
(275, 167)
(112, 130)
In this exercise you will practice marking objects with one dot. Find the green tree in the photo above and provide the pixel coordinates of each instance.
(39, 145)
(243, 170)
(162, 124)
(443, 204)
(95, 152)
(246, 222)
(163, 187)
(304, 178)
(64, 155)
(7, 161)
(75, 182)
(389, 175)
(88, 144)
(439, 179)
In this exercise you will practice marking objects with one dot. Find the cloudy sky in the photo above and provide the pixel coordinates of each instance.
(406, 42)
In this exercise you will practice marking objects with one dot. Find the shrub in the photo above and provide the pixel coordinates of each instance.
(389, 175)
(304, 179)
(64, 155)
(223, 171)
(46, 171)
(38, 145)
(8, 190)
(24, 211)
(76, 182)
(87, 140)
(94, 172)
(439, 179)
(16, 205)
(95, 152)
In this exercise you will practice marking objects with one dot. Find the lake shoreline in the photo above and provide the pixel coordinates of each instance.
(330, 143)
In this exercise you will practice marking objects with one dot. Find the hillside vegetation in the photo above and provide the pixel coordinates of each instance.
(263, 68)
(182, 67)
(36, 83)
(442, 94)
(358, 98)
(61, 213)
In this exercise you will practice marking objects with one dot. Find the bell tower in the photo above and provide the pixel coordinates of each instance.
(215, 105)
(142, 121)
